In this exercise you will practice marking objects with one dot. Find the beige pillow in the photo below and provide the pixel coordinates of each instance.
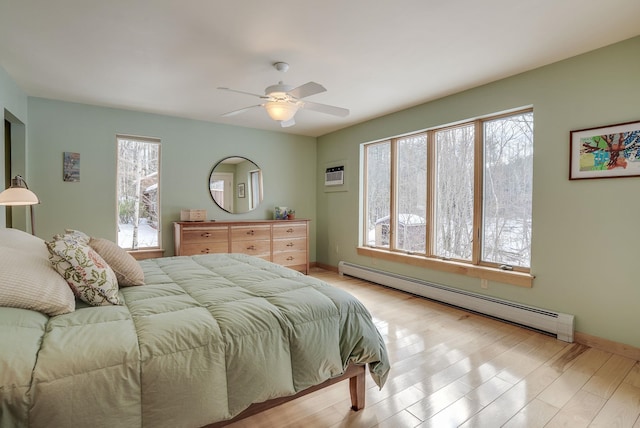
(28, 281)
(126, 268)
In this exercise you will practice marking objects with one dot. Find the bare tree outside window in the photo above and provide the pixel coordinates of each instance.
(458, 192)
(508, 174)
(138, 193)
(378, 161)
(454, 192)
(411, 209)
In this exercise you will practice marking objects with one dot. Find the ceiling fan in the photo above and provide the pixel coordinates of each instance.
(282, 102)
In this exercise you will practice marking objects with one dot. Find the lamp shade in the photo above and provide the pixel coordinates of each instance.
(18, 194)
(281, 110)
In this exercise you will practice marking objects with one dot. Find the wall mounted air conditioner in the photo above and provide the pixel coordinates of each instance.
(334, 176)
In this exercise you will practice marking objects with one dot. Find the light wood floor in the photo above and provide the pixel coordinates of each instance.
(451, 368)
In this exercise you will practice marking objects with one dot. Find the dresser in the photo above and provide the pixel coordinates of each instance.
(285, 242)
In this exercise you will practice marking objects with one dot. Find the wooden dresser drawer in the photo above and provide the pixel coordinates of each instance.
(292, 244)
(198, 238)
(291, 258)
(210, 234)
(192, 249)
(261, 248)
(250, 233)
(295, 230)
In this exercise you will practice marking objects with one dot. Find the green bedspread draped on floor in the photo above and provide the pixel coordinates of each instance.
(208, 336)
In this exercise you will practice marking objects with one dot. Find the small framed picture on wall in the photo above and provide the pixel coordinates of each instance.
(71, 167)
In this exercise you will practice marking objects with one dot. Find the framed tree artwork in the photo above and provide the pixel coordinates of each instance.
(605, 152)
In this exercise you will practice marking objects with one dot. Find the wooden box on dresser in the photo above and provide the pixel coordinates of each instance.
(285, 242)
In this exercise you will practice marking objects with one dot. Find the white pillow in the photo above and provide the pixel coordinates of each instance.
(28, 281)
(19, 240)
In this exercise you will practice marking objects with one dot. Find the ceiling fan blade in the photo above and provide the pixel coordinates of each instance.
(242, 110)
(323, 108)
(306, 90)
(288, 123)
(243, 92)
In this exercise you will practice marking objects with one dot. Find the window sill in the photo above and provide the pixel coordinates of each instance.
(520, 279)
(150, 253)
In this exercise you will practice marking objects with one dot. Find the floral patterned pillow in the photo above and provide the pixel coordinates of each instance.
(76, 235)
(88, 275)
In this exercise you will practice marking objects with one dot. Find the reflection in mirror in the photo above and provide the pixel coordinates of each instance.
(235, 185)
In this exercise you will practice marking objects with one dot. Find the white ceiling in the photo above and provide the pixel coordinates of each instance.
(374, 57)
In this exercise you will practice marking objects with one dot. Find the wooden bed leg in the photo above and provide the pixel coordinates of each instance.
(357, 388)
(355, 373)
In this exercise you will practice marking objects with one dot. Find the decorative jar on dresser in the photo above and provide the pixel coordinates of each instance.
(285, 242)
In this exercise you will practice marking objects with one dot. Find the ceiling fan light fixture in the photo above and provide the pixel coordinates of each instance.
(282, 102)
(281, 110)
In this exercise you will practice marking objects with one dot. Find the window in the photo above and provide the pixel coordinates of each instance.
(411, 203)
(221, 188)
(138, 192)
(378, 185)
(456, 196)
(453, 196)
(255, 190)
(508, 174)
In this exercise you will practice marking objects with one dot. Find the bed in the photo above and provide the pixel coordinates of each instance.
(205, 340)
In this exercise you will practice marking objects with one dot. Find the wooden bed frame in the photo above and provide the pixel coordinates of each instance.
(355, 374)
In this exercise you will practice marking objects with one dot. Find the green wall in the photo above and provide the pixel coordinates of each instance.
(13, 105)
(189, 151)
(584, 232)
(12, 98)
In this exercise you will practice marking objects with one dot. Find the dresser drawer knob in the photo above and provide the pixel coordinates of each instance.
(206, 235)
(290, 230)
(290, 258)
(205, 251)
(251, 247)
(251, 232)
(290, 244)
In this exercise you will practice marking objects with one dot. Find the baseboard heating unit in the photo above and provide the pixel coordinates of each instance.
(544, 320)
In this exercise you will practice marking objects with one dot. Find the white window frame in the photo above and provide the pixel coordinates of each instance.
(151, 140)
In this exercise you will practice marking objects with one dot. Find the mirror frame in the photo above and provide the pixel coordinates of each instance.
(239, 187)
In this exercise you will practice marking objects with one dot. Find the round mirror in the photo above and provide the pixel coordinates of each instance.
(235, 185)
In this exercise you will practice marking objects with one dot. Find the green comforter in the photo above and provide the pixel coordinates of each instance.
(208, 336)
